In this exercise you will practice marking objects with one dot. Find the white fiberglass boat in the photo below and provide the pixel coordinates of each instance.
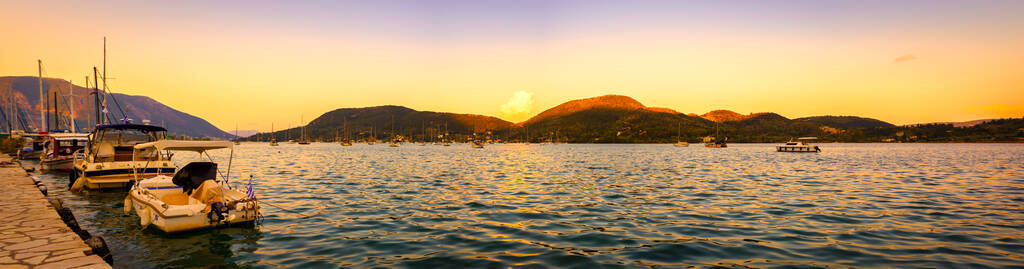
(798, 146)
(193, 198)
(109, 158)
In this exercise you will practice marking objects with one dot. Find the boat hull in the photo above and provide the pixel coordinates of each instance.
(59, 164)
(113, 177)
(189, 216)
(808, 149)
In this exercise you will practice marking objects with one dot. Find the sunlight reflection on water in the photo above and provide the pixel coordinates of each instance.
(920, 205)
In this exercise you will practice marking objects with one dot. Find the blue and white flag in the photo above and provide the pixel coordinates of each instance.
(248, 189)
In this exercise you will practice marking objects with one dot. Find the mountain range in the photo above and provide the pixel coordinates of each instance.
(621, 119)
(602, 119)
(26, 95)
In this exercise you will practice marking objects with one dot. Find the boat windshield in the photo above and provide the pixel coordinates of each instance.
(128, 136)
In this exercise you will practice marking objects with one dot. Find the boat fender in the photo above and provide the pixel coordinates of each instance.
(35, 180)
(144, 218)
(43, 190)
(127, 205)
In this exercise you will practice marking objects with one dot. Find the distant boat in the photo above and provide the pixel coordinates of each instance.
(394, 138)
(345, 142)
(798, 146)
(273, 139)
(679, 132)
(236, 135)
(712, 142)
(303, 141)
(478, 144)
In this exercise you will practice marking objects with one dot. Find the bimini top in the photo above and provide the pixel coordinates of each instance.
(69, 136)
(128, 126)
(182, 145)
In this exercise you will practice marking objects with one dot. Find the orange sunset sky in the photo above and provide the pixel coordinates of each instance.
(258, 62)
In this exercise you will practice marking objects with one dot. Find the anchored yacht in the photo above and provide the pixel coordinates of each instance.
(798, 146)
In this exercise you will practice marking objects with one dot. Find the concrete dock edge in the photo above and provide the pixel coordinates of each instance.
(32, 234)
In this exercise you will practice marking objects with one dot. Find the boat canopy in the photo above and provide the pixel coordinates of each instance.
(69, 136)
(182, 145)
(149, 128)
(807, 138)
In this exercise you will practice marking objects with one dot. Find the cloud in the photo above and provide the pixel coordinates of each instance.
(519, 106)
(904, 58)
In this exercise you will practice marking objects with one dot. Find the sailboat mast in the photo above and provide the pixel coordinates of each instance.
(71, 93)
(56, 120)
(96, 96)
(42, 99)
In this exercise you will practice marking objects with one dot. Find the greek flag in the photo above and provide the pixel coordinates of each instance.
(248, 189)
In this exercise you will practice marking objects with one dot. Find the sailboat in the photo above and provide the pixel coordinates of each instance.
(236, 135)
(345, 142)
(712, 142)
(273, 138)
(394, 138)
(303, 141)
(477, 142)
(372, 139)
(679, 132)
(423, 142)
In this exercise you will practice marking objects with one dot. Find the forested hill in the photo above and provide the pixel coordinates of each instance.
(621, 119)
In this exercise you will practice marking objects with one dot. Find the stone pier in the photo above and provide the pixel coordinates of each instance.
(32, 235)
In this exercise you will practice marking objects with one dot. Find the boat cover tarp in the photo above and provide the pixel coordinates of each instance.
(194, 174)
(208, 193)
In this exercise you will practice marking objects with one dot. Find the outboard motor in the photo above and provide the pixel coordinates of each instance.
(218, 212)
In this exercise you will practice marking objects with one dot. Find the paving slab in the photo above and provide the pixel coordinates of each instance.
(32, 235)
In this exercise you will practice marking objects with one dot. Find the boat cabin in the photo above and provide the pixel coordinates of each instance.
(115, 142)
(65, 144)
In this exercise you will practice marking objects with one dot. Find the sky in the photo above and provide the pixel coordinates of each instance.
(253, 63)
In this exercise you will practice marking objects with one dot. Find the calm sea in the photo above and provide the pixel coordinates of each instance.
(861, 205)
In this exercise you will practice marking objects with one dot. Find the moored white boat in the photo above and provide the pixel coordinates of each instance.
(193, 198)
(109, 160)
(798, 146)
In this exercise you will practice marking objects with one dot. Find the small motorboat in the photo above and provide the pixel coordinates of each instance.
(61, 150)
(33, 146)
(711, 142)
(477, 144)
(193, 198)
(798, 146)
